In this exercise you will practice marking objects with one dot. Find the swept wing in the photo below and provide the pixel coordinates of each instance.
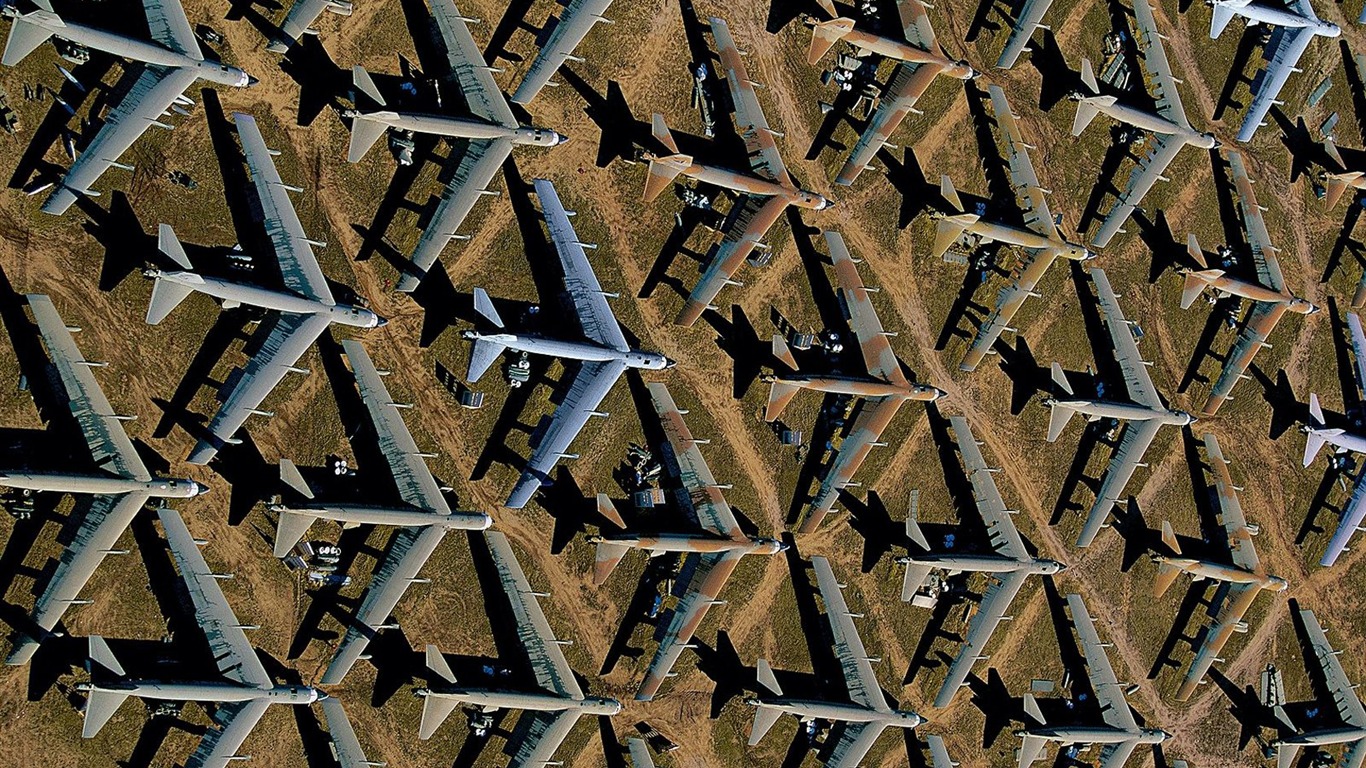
(1138, 435)
(855, 741)
(1136, 378)
(878, 356)
(1335, 680)
(1114, 709)
(467, 66)
(543, 736)
(864, 689)
(702, 494)
(574, 24)
(749, 116)
(1280, 63)
(232, 723)
(594, 314)
(1031, 15)
(1001, 530)
(1155, 61)
(757, 217)
(1141, 181)
(709, 578)
(874, 416)
(548, 664)
(908, 84)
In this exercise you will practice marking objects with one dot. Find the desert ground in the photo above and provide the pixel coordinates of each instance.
(88, 261)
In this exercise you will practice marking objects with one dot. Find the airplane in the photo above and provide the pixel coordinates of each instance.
(1031, 18)
(1242, 579)
(299, 21)
(884, 388)
(766, 189)
(239, 697)
(490, 132)
(919, 61)
(715, 551)
(603, 353)
(304, 307)
(1268, 293)
(1144, 411)
(1297, 27)
(1120, 733)
(119, 488)
(554, 708)
(568, 31)
(1009, 563)
(171, 61)
(864, 717)
(1169, 124)
(424, 518)
(1040, 237)
(1339, 181)
(1337, 687)
(1317, 433)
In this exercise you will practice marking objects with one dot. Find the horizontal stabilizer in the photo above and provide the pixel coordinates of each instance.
(663, 171)
(781, 351)
(916, 573)
(1222, 16)
(1285, 753)
(1086, 112)
(435, 710)
(1031, 708)
(946, 233)
(1169, 538)
(1031, 749)
(779, 396)
(364, 133)
(290, 530)
(166, 296)
(950, 193)
(1060, 380)
(483, 355)
(484, 306)
(1057, 421)
(24, 36)
(915, 534)
(290, 476)
(609, 554)
(1196, 283)
(764, 718)
(100, 705)
(660, 130)
(825, 34)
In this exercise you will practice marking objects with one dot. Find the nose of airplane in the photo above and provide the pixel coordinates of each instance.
(560, 138)
(380, 322)
(200, 489)
(251, 81)
(669, 362)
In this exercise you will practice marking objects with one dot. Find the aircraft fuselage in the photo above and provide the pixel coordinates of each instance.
(992, 231)
(1254, 291)
(460, 127)
(584, 351)
(1324, 737)
(280, 301)
(1095, 734)
(984, 563)
(809, 709)
(213, 692)
(860, 386)
(754, 185)
(1108, 409)
(1150, 121)
(1346, 441)
(1224, 572)
(901, 50)
(683, 542)
(372, 514)
(103, 485)
(1281, 17)
(487, 698)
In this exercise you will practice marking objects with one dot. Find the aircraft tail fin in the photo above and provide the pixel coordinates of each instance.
(485, 353)
(914, 579)
(764, 718)
(1313, 439)
(166, 296)
(1166, 576)
(484, 306)
(663, 170)
(779, 395)
(169, 244)
(1030, 749)
(364, 133)
(1088, 77)
(290, 476)
(1031, 708)
(1337, 185)
(1194, 251)
(1057, 421)
(825, 34)
(101, 654)
(950, 193)
(1060, 379)
(766, 678)
(437, 663)
(609, 510)
(1222, 16)
(660, 130)
(783, 352)
(1169, 538)
(24, 36)
(915, 534)
(608, 555)
(289, 531)
(366, 84)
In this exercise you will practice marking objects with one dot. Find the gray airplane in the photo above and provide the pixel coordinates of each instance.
(1351, 728)
(490, 131)
(1031, 18)
(1119, 733)
(1040, 238)
(304, 306)
(566, 32)
(171, 63)
(864, 717)
(603, 353)
(120, 487)
(300, 20)
(239, 697)
(1009, 563)
(1144, 411)
(713, 553)
(1168, 124)
(554, 708)
(423, 519)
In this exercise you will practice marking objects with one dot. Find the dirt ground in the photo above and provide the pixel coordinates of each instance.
(632, 68)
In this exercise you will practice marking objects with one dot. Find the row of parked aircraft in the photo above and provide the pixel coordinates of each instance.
(306, 307)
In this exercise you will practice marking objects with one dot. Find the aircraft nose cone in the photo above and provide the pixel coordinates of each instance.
(251, 81)
(669, 362)
(200, 489)
(560, 138)
(380, 322)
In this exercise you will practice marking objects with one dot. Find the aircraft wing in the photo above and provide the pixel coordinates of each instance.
(545, 734)
(915, 24)
(1137, 437)
(345, 746)
(989, 614)
(1031, 15)
(598, 322)
(472, 74)
(864, 689)
(168, 25)
(908, 84)
(1141, 181)
(416, 485)
(1244, 554)
(1237, 600)
(1114, 709)
(408, 552)
(877, 352)
(548, 664)
(854, 743)
(1258, 239)
(1335, 679)
(1030, 195)
(298, 266)
(1261, 321)
(109, 444)
(474, 173)
(1155, 61)
(233, 723)
(574, 24)
(749, 116)
(1001, 530)
(301, 16)
(1116, 755)
(1358, 347)
(874, 416)
(1136, 378)
(151, 94)
(640, 754)
(291, 336)
(1348, 523)
(1008, 302)
(1280, 63)
(104, 522)
(231, 650)
(709, 578)
(737, 244)
(703, 495)
(592, 383)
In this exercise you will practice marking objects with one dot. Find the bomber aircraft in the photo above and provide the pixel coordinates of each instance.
(1317, 433)
(565, 34)
(1030, 19)
(299, 21)
(1326, 670)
